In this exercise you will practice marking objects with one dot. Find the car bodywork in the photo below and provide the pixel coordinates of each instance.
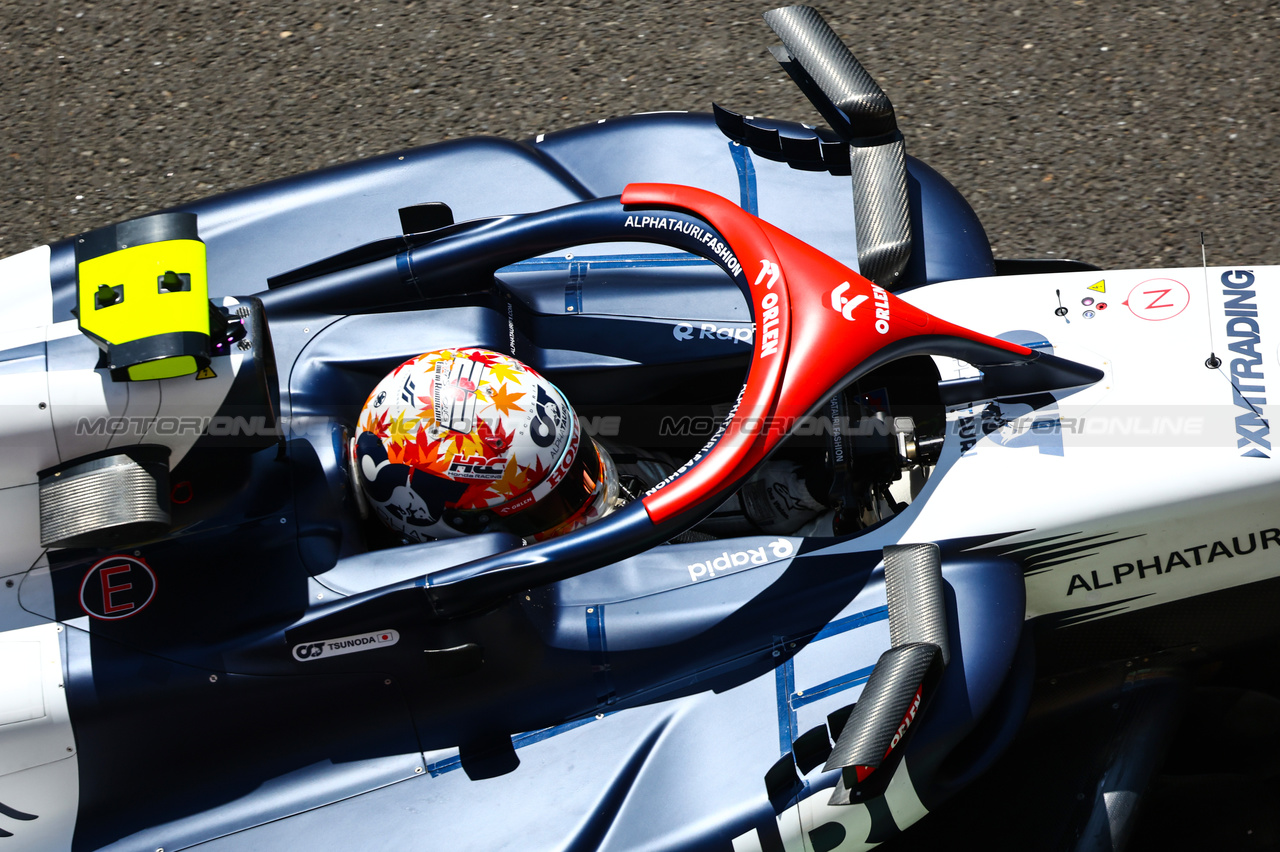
(266, 669)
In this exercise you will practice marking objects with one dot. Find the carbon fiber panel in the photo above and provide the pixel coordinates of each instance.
(884, 703)
(106, 500)
(882, 213)
(839, 75)
(913, 585)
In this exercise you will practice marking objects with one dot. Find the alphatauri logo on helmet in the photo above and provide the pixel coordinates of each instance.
(548, 418)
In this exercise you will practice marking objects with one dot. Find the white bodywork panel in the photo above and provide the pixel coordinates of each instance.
(92, 413)
(1163, 449)
(38, 766)
(1163, 456)
(26, 424)
(49, 417)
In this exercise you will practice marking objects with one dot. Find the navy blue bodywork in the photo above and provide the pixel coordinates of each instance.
(634, 706)
(264, 231)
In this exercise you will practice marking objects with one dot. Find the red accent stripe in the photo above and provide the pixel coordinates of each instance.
(821, 344)
(732, 454)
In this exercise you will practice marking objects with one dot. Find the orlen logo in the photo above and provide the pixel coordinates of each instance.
(726, 561)
(844, 305)
(907, 720)
(768, 312)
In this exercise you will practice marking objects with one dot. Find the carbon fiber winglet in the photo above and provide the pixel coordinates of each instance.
(903, 678)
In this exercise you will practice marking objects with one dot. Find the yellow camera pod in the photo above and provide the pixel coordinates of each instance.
(143, 296)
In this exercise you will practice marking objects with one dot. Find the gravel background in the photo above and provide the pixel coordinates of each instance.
(1104, 130)
(1111, 132)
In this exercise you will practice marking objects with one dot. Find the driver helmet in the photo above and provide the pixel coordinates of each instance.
(460, 441)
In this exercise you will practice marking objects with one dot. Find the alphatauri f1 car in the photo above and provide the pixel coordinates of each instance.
(888, 508)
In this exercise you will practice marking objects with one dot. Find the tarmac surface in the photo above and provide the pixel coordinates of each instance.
(1112, 132)
(1109, 132)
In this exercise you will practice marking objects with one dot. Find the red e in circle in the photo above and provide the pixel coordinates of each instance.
(117, 587)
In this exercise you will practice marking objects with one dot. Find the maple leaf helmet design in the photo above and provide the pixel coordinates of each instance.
(460, 441)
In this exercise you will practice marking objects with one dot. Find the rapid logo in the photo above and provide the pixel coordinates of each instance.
(117, 587)
(779, 549)
(308, 651)
(710, 331)
(1246, 370)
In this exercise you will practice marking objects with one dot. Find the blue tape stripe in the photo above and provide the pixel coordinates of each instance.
(573, 290)
(746, 177)
(598, 654)
(609, 261)
(530, 737)
(852, 622)
(785, 684)
(831, 687)
(404, 268)
(519, 741)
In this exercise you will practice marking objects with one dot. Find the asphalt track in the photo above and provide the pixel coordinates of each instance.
(1109, 132)
(1113, 132)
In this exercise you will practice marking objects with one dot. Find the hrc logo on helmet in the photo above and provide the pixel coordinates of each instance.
(548, 417)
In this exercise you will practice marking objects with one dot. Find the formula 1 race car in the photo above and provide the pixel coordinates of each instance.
(891, 527)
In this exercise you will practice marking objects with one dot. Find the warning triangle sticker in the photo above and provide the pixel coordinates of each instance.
(1100, 287)
(206, 373)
